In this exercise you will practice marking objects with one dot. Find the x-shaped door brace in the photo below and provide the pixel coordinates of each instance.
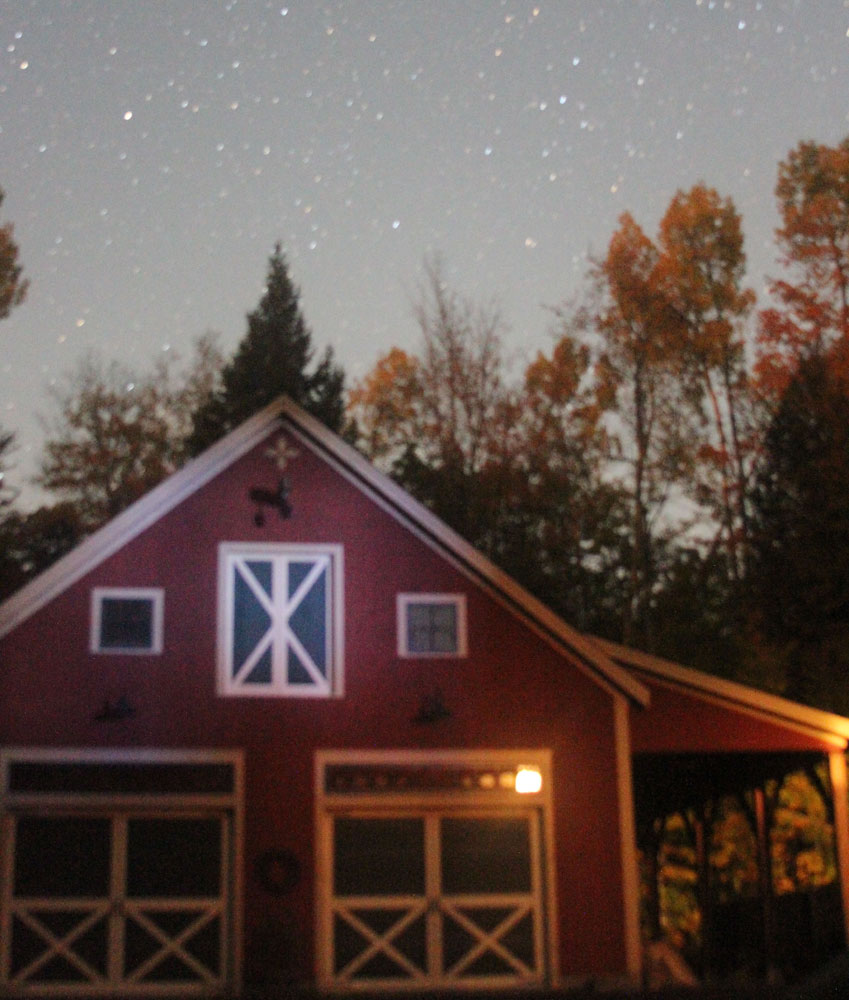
(382, 942)
(487, 941)
(60, 945)
(172, 945)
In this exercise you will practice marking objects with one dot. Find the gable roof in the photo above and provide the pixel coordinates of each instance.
(730, 694)
(283, 414)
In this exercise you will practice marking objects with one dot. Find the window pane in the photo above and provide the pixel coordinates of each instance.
(260, 673)
(174, 857)
(432, 628)
(485, 855)
(308, 621)
(261, 570)
(126, 623)
(250, 619)
(378, 857)
(62, 856)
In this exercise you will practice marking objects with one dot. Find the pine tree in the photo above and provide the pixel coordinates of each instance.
(272, 359)
(800, 576)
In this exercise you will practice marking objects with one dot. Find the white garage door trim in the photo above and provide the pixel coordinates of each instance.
(433, 929)
(124, 800)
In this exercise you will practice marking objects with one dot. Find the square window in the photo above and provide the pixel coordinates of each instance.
(280, 620)
(431, 625)
(126, 620)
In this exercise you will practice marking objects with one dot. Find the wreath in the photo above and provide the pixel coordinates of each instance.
(278, 871)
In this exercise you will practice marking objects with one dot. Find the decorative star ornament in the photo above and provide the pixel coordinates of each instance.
(282, 453)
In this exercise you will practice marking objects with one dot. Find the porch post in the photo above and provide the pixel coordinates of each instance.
(840, 804)
(628, 841)
(763, 822)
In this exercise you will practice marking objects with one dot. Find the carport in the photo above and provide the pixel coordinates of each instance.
(703, 739)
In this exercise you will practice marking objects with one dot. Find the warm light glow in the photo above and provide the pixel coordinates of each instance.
(528, 780)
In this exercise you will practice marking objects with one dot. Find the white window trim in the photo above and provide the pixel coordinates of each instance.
(227, 552)
(458, 601)
(156, 595)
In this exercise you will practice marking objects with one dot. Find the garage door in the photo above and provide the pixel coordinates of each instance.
(117, 899)
(437, 899)
(434, 878)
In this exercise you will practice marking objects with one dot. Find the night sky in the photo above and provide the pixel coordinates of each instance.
(152, 153)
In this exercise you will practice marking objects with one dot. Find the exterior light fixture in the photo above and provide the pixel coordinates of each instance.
(528, 780)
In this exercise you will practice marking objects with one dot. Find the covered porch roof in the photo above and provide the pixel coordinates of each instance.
(692, 712)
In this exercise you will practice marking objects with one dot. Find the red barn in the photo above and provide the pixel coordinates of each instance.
(277, 723)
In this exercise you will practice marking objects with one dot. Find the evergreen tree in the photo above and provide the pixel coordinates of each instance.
(30, 542)
(272, 359)
(800, 576)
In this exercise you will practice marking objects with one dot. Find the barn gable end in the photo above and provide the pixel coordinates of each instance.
(258, 677)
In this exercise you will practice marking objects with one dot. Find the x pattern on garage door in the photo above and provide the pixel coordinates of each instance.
(446, 892)
(117, 898)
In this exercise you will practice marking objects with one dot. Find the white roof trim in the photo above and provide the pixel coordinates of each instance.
(781, 711)
(135, 519)
(473, 563)
(380, 488)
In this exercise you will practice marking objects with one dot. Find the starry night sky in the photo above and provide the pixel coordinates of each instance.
(152, 153)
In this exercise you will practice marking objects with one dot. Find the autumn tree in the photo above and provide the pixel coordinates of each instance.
(515, 468)
(811, 313)
(571, 516)
(13, 290)
(441, 421)
(30, 541)
(13, 286)
(7, 445)
(701, 274)
(384, 407)
(640, 338)
(274, 358)
(115, 434)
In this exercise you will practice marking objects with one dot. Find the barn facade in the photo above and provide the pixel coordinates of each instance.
(276, 723)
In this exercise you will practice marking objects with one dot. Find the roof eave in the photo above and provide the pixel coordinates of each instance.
(136, 518)
(437, 533)
(732, 693)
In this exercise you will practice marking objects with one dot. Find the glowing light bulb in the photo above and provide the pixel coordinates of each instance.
(528, 780)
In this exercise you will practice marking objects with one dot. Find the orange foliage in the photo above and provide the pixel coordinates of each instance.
(812, 314)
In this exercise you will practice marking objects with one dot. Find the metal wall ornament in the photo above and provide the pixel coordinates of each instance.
(277, 498)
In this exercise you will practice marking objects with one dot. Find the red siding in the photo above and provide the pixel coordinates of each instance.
(511, 691)
(679, 722)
